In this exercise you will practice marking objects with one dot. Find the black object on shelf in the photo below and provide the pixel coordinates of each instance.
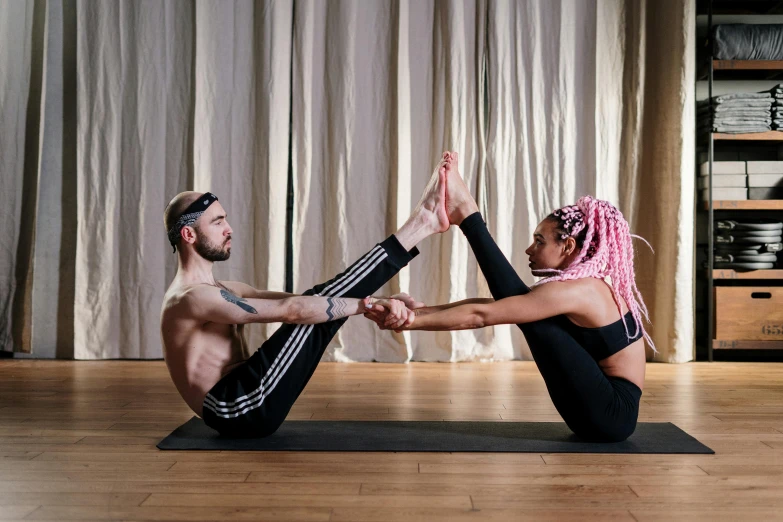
(721, 7)
(765, 193)
(747, 42)
(728, 224)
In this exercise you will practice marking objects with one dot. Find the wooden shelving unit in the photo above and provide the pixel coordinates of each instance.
(738, 70)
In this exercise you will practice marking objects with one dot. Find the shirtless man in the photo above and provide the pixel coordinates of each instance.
(202, 319)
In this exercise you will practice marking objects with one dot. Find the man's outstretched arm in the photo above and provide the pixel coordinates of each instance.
(218, 305)
(245, 290)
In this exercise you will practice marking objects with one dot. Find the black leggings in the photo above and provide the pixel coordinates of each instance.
(594, 406)
(254, 398)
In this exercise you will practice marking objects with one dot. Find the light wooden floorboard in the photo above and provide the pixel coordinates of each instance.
(77, 442)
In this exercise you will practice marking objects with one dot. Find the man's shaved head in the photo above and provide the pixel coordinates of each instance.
(177, 206)
(211, 242)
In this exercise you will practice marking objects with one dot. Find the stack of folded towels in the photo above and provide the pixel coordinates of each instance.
(737, 113)
(777, 107)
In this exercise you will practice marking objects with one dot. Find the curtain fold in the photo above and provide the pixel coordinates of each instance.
(132, 155)
(448, 118)
(373, 110)
(541, 124)
(241, 141)
(657, 182)
(21, 31)
(54, 258)
(111, 108)
(342, 113)
(175, 96)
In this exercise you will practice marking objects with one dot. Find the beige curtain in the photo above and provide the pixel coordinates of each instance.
(545, 101)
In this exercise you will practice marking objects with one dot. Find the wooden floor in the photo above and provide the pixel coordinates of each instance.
(77, 442)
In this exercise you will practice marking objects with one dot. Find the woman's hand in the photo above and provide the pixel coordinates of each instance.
(408, 300)
(391, 313)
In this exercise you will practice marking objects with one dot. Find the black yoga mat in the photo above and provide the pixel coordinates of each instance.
(518, 437)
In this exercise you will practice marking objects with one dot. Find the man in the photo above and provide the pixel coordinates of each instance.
(202, 319)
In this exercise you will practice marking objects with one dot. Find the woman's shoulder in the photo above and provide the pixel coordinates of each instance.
(605, 288)
(579, 292)
(589, 291)
(584, 283)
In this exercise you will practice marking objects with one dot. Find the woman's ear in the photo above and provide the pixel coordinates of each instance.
(570, 246)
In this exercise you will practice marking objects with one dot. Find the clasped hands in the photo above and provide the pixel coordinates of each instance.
(392, 313)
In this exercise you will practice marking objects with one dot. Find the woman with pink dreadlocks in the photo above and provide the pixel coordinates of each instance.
(585, 333)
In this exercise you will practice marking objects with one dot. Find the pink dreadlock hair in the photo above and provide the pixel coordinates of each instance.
(604, 239)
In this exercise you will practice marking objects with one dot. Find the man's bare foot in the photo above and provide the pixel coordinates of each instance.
(459, 203)
(432, 205)
(429, 217)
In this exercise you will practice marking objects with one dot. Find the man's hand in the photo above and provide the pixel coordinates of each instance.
(392, 314)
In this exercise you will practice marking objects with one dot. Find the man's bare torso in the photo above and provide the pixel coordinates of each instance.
(197, 353)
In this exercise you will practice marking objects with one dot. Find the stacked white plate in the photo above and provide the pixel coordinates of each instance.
(747, 245)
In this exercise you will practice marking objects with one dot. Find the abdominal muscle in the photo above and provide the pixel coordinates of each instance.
(200, 358)
(630, 362)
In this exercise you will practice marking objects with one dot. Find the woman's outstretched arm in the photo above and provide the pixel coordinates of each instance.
(545, 301)
(438, 308)
(390, 318)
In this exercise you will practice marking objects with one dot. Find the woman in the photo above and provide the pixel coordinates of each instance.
(585, 333)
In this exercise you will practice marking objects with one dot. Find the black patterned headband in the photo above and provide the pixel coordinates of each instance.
(189, 216)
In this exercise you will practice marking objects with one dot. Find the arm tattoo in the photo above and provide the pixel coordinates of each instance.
(240, 302)
(336, 308)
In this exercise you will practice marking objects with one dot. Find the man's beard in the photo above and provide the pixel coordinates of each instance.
(210, 251)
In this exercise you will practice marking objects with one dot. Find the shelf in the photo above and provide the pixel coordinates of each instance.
(751, 274)
(772, 135)
(741, 70)
(733, 7)
(750, 204)
(747, 65)
(721, 344)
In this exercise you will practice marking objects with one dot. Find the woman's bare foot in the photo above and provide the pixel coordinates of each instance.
(459, 203)
(429, 217)
(432, 204)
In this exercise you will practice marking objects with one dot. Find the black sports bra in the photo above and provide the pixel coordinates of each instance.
(604, 341)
